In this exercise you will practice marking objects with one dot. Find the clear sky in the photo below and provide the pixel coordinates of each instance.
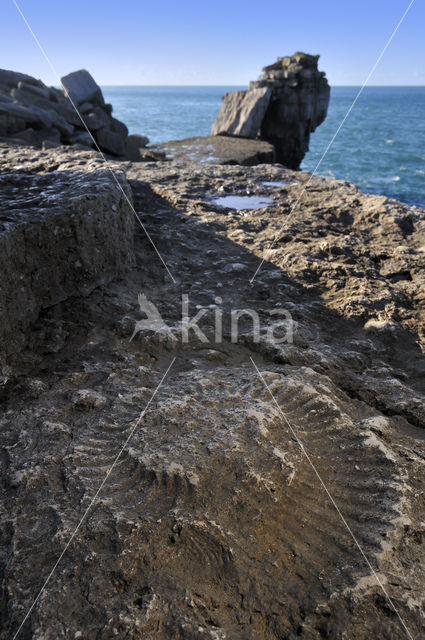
(216, 42)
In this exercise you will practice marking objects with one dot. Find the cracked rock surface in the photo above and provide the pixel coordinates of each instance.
(62, 234)
(213, 522)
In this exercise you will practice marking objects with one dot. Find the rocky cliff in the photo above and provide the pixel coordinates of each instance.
(40, 116)
(212, 523)
(283, 107)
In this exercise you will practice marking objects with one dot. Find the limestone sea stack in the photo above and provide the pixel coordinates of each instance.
(283, 107)
(43, 116)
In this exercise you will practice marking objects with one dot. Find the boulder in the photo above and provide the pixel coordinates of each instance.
(135, 144)
(62, 105)
(83, 138)
(111, 142)
(35, 137)
(81, 87)
(242, 113)
(29, 136)
(119, 127)
(86, 107)
(50, 144)
(43, 92)
(10, 79)
(5, 98)
(283, 107)
(141, 141)
(97, 119)
(51, 118)
(62, 234)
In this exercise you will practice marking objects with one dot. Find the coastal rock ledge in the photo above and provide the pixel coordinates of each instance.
(200, 516)
(283, 107)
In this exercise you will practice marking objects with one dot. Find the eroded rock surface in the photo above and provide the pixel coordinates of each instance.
(213, 523)
(287, 103)
(217, 150)
(62, 234)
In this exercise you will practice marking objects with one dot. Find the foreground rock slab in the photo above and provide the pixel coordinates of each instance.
(62, 234)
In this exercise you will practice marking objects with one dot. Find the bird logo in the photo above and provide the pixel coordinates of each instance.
(153, 322)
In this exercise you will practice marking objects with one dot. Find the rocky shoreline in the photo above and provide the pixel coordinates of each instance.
(76, 115)
(212, 524)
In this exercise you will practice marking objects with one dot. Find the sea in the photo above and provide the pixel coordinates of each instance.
(380, 147)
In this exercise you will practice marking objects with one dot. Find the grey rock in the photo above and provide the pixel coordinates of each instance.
(10, 122)
(62, 106)
(50, 118)
(81, 87)
(4, 97)
(86, 399)
(81, 147)
(134, 146)
(242, 113)
(86, 107)
(15, 110)
(67, 111)
(97, 119)
(29, 136)
(29, 109)
(283, 107)
(43, 92)
(35, 137)
(9, 79)
(82, 137)
(137, 139)
(119, 127)
(61, 235)
(111, 142)
(50, 144)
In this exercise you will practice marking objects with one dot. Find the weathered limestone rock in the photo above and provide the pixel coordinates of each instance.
(212, 523)
(283, 107)
(34, 113)
(81, 87)
(242, 113)
(218, 150)
(61, 235)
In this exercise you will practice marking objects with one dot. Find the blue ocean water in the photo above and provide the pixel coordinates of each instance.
(381, 146)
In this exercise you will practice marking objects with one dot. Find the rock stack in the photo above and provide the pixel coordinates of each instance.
(45, 117)
(283, 107)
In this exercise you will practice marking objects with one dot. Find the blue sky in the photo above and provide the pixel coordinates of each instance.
(213, 42)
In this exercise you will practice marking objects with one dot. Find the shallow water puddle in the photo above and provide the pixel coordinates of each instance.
(243, 202)
(277, 183)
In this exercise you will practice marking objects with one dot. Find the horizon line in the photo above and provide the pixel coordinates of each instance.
(243, 85)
